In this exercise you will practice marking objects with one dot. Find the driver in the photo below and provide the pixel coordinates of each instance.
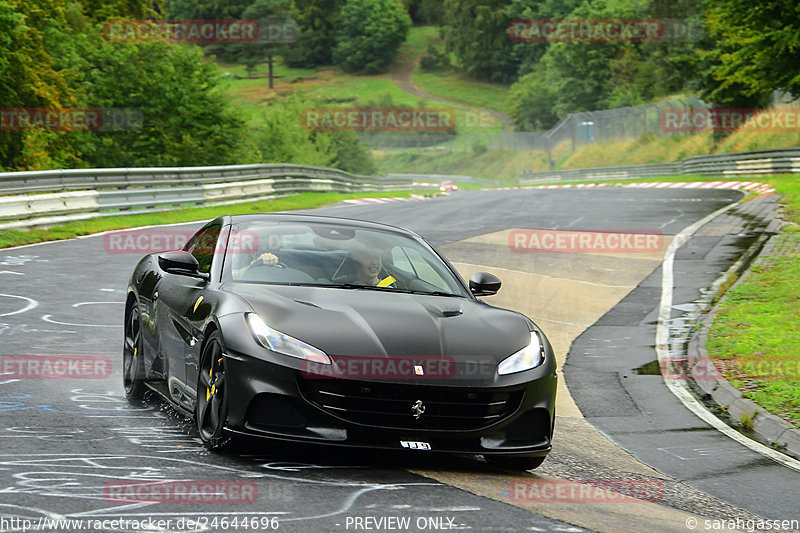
(369, 268)
(265, 259)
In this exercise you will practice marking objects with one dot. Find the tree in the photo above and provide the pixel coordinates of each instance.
(180, 9)
(30, 79)
(99, 10)
(528, 54)
(277, 28)
(532, 98)
(186, 118)
(477, 32)
(318, 21)
(755, 50)
(220, 9)
(425, 11)
(370, 33)
(350, 154)
(282, 138)
(590, 75)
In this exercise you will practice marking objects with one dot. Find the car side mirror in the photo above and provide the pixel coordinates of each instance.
(181, 263)
(484, 284)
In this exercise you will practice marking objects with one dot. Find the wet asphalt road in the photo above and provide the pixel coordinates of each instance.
(63, 443)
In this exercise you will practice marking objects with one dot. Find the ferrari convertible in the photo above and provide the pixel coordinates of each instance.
(336, 332)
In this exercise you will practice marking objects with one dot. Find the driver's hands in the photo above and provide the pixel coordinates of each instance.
(268, 259)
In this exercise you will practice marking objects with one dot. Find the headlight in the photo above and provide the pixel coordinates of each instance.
(529, 357)
(283, 343)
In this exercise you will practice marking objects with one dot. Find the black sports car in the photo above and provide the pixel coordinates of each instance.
(340, 332)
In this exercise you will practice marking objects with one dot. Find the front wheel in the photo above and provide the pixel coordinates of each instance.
(132, 361)
(511, 462)
(211, 410)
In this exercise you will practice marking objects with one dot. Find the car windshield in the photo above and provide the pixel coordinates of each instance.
(338, 256)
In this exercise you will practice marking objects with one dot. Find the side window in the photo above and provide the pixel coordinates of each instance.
(400, 259)
(202, 247)
(424, 270)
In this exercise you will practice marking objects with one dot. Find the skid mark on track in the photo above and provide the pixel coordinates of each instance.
(84, 478)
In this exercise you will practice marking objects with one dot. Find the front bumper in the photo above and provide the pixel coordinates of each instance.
(512, 415)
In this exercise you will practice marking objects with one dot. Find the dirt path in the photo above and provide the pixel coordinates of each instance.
(402, 78)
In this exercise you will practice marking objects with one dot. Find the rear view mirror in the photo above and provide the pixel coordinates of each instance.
(484, 284)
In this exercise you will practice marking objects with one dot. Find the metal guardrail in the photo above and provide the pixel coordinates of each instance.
(733, 165)
(84, 193)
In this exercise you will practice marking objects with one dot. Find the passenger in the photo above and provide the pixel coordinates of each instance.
(369, 268)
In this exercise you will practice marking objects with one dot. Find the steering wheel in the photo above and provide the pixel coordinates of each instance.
(278, 264)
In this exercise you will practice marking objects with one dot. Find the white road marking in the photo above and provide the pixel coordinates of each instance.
(94, 303)
(678, 387)
(31, 304)
(47, 318)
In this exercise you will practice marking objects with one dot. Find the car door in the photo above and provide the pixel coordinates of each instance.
(179, 299)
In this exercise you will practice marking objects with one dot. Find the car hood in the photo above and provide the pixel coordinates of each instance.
(367, 323)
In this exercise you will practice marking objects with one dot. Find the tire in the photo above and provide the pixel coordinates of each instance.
(511, 462)
(211, 408)
(132, 361)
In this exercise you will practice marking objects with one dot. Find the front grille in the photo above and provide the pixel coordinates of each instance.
(391, 404)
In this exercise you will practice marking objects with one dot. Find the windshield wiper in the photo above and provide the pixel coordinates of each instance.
(438, 293)
(367, 287)
(388, 289)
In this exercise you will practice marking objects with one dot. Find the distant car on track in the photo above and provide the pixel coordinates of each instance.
(448, 186)
(336, 332)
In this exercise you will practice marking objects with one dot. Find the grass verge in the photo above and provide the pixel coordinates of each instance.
(69, 230)
(754, 339)
(458, 88)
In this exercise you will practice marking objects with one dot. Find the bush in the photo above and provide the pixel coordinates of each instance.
(434, 61)
(532, 100)
(282, 138)
(370, 33)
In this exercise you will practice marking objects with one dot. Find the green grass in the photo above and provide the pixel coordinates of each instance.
(365, 90)
(450, 85)
(459, 88)
(69, 230)
(461, 158)
(755, 326)
(416, 45)
(330, 86)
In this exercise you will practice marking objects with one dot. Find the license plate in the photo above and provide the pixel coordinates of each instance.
(414, 445)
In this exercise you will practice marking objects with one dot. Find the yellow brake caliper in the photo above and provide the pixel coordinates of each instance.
(211, 375)
(210, 391)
